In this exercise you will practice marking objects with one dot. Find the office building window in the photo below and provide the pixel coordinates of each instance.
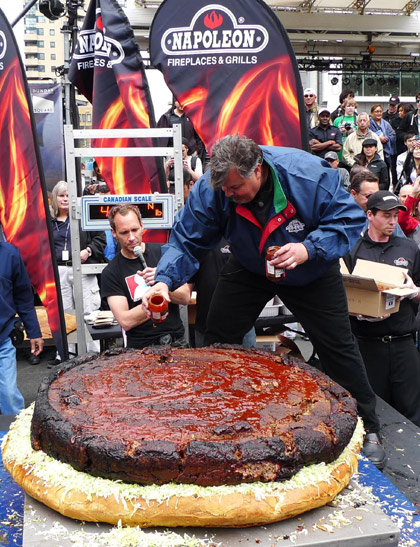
(53, 56)
(52, 44)
(41, 56)
(40, 31)
(52, 31)
(41, 68)
(40, 43)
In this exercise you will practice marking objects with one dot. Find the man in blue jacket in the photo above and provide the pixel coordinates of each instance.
(257, 197)
(15, 297)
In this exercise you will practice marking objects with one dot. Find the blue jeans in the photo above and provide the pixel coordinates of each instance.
(11, 400)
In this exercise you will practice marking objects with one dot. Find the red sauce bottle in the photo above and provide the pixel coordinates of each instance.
(158, 307)
(273, 273)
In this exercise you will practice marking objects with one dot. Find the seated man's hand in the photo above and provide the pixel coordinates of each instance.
(158, 288)
(148, 274)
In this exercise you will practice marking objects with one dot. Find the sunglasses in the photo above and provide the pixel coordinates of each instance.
(306, 96)
(418, 100)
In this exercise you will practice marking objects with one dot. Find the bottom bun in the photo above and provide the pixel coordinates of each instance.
(80, 496)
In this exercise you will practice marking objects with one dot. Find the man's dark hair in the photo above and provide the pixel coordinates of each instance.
(362, 176)
(186, 175)
(409, 135)
(123, 210)
(344, 94)
(233, 151)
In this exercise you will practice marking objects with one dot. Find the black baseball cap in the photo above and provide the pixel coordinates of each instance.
(394, 100)
(370, 142)
(384, 201)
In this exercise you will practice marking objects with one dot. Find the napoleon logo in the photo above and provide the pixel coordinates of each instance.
(225, 249)
(401, 262)
(137, 287)
(93, 43)
(214, 29)
(3, 47)
(295, 226)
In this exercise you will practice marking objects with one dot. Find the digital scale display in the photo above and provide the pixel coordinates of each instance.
(157, 210)
(147, 210)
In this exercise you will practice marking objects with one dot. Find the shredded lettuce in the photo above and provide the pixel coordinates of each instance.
(56, 473)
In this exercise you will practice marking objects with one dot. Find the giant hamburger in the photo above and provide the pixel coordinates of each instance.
(185, 437)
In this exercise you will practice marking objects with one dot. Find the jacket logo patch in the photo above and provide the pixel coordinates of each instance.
(401, 262)
(295, 226)
(225, 249)
(137, 286)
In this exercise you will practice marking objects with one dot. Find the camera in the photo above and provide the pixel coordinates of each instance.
(347, 126)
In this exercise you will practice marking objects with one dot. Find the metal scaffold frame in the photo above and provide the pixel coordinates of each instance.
(73, 151)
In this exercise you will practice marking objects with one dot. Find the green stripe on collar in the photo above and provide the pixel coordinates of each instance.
(280, 200)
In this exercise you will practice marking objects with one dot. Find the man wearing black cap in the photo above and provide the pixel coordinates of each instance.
(387, 344)
(324, 137)
(391, 115)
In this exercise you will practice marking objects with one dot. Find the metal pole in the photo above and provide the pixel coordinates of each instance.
(179, 202)
(75, 239)
(24, 12)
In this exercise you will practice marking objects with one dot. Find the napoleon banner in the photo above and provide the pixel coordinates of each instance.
(108, 70)
(231, 65)
(23, 197)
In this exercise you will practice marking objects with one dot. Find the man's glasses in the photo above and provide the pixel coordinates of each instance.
(306, 96)
(418, 100)
(367, 196)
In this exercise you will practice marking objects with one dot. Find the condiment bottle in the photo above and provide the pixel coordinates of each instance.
(158, 307)
(273, 273)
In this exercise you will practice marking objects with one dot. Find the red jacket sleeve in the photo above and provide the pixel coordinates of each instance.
(405, 220)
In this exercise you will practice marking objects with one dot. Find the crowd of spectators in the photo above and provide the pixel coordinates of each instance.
(372, 153)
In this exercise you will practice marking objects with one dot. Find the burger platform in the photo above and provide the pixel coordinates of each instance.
(360, 518)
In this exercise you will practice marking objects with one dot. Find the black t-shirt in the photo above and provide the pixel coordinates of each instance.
(119, 279)
(398, 251)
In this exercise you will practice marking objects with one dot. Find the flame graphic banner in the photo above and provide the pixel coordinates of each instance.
(232, 67)
(23, 197)
(108, 70)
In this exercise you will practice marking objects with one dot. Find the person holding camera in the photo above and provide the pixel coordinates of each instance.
(192, 164)
(324, 137)
(347, 123)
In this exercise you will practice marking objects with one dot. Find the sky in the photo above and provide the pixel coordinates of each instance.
(12, 9)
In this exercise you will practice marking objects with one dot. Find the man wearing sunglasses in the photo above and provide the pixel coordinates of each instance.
(410, 122)
(309, 96)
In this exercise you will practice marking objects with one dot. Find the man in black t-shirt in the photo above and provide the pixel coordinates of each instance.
(388, 345)
(125, 280)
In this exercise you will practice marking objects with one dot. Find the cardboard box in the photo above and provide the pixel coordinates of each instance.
(373, 288)
(272, 308)
(268, 342)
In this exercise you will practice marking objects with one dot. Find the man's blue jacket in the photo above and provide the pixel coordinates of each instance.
(16, 294)
(310, 206)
